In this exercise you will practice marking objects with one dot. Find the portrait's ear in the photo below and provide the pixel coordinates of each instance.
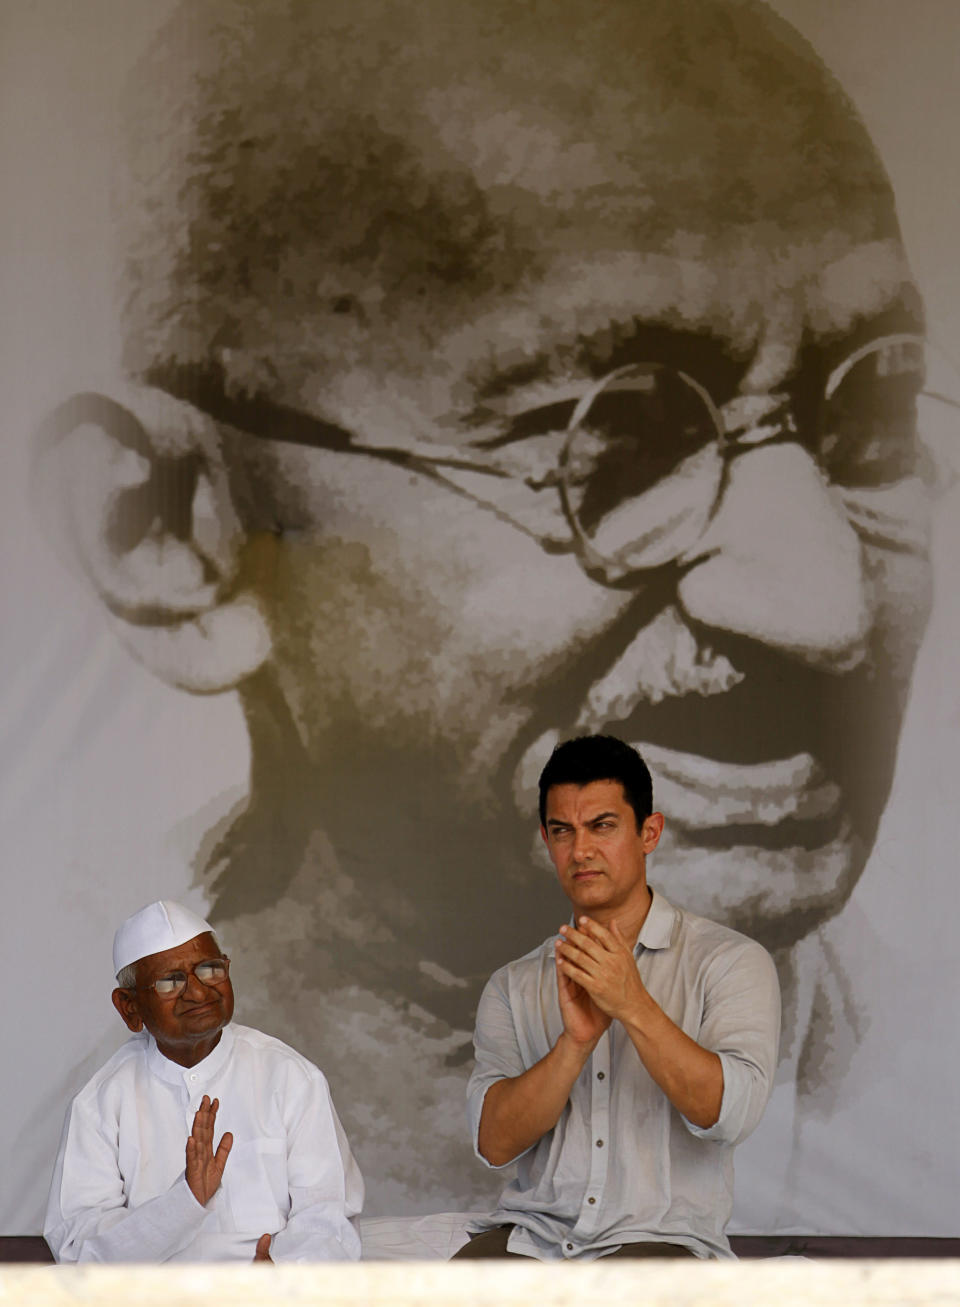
(126, 1005)
(136, 485)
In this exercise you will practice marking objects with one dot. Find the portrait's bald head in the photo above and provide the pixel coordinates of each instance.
(337, 170)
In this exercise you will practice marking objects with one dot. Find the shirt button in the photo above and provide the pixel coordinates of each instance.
(600, 1075)
(193, 1076)
(591, 1201)
(599, 1143)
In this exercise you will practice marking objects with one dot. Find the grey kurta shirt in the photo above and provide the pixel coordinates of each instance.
(622, 1165)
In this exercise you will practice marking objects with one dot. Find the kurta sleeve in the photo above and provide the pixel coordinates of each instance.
(88, 1219)
(326, 1188)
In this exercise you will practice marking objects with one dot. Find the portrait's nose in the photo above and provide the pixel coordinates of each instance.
(780, 562)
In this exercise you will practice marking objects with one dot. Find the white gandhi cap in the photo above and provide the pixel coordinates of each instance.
(158, 926)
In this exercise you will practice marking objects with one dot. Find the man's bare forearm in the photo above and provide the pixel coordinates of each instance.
(690, 1075)
(520, 1110)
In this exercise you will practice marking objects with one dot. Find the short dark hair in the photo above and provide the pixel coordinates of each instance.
(589, 758)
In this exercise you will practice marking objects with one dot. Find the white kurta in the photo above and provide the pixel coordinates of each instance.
(119, 1191)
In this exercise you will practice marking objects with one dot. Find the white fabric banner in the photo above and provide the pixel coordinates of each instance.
(322, 526)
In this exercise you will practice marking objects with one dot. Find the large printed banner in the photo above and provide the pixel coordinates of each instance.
(395, 387)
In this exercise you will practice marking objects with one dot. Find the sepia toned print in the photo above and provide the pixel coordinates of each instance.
(494, 373)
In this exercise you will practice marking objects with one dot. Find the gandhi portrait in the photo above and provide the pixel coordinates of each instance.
(497, 372)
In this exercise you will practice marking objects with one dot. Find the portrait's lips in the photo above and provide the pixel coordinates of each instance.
(702, 793)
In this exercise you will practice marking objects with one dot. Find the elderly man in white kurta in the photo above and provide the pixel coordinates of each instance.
(141, 1176)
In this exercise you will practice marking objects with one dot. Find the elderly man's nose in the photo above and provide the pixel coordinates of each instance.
(780, 562)
(194, 988)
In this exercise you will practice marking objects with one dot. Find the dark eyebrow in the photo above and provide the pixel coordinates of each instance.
(592, 821)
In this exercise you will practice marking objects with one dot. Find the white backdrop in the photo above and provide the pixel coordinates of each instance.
(110, 779)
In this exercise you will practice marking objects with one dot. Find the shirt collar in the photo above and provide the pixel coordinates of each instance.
(173, 1073)
(659, 925)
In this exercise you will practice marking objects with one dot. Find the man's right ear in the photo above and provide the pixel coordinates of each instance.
(136, 482)
(126, 1005)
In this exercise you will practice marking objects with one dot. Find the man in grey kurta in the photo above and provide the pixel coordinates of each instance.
(620, 1062)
